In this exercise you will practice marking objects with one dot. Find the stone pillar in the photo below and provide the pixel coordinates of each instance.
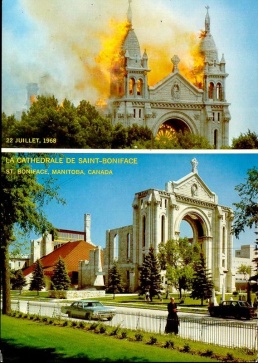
(87, 227)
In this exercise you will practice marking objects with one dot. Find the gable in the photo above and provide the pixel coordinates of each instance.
(192, 186)
(71, 253)
(175, 88)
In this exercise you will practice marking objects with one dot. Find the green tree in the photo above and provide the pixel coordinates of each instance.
(187, 140)
(137, 135)
(244, 269)
(246, 213)
(202, 284)
(182, 140)
(150, 277)
(178, 258)
(246, 141)
(18, 280)
(37, 281)
(114, 280)
(22, 202)
(61, 279)
(9, 130)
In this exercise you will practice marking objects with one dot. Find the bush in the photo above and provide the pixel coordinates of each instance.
(115, 331)
(153, 340)
(138, 337)
(169, 344)
(124, 334)
(102, 329)
(186, 348)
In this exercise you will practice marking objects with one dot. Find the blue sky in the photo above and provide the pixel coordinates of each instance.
(50, 42)
(108, 198)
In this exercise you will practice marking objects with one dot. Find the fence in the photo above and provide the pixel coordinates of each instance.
(231, 334)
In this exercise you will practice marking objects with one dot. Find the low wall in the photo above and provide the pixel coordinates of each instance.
(76, 294)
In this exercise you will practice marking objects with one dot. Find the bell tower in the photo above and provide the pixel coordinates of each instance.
(214, 87)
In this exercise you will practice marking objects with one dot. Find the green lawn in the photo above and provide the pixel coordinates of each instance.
(24, 340)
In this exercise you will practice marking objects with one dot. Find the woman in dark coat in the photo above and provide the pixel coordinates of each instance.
(172, 319)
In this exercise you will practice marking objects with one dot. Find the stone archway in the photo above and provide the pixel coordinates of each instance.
(170, 128)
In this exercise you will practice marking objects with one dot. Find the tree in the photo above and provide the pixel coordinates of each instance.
(244, 269)
(182, 140)
(202, 284)
(37, 282)
(9, 129)
(61, 279)
(246, 213)
(22, 202)
(178, 258)
(246, 141)
(18, 280)
(114, 280)
(150, 278)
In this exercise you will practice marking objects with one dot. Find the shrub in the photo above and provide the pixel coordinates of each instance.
(81, 324)
(138, 337)
(115, 331)
(186, 348)
(230, 356)
(93, 326)
(169, 344)
(208, 353)
(74, 323)
(124, 334)
(102, 329)
(153, 340)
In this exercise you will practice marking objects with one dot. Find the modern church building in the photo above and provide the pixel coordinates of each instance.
(173, 104)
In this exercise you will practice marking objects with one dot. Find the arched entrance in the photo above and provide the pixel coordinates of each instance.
(169, 129)
(192, 227)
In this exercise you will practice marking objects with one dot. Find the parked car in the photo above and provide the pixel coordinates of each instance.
(233, 308)
(88, 309)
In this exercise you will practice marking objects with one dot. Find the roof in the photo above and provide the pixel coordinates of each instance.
(71, 253)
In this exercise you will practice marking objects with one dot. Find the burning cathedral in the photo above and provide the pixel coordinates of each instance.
(173, 104)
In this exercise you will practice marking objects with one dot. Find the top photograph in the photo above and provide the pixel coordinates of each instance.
(129, 74)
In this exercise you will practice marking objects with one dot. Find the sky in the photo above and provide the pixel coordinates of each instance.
(108, 198)
(57, 44)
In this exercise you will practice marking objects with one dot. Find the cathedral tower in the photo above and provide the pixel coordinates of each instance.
(174, 104)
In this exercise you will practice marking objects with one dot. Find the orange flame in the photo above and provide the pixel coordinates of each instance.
(191, 63)
(108, 65)
(33, 99)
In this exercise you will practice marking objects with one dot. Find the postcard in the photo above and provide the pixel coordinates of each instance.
(96, 222)
(129, 74)
(129, 128)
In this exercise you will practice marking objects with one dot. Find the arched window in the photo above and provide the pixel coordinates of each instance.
(143, 231)
(219, 91)
(211, 90)
(116, 245)
(131, 86)
(223, 240)
(215, 139)
(139, 87)
(163, 229)
(128, 245)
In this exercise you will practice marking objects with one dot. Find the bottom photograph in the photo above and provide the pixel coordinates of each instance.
(154, 248)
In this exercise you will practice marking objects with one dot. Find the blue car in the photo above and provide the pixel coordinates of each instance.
(89, 309)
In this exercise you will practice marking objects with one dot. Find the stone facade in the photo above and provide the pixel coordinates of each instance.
(157, 215)
(174, 104)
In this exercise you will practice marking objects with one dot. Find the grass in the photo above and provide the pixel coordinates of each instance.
(55, 340)
(24, 340)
